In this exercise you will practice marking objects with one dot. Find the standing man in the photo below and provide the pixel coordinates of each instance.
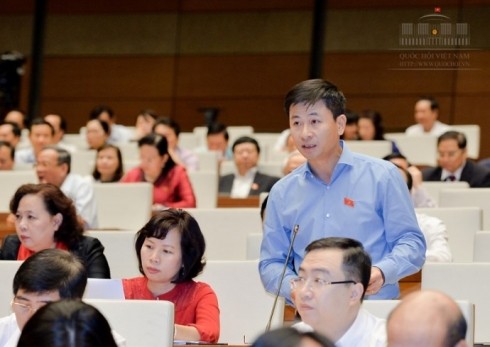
(454, 164)
(338, 193)
(426, 113)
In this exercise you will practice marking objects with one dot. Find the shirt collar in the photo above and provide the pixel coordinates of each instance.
(346, 159)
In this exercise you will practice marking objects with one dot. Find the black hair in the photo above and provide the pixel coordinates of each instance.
(218, 128)
(10, 147)
(98, 110)
(453, 135)
(67, 323)
(15, 128)
(290, 337)
(52, 270)
(192, 241)
(246, 139)
(168, 122)
(434, 105)
(41, 121)
(314, 90)
(161, 144)
(118, 174)
(356, 263)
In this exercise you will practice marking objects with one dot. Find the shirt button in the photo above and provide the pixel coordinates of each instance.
(328, 215)
(328, 187)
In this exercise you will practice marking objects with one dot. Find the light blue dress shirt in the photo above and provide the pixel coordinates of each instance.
(366, 200)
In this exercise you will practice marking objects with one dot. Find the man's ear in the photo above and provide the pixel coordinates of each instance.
(356, 292)
(341, 121)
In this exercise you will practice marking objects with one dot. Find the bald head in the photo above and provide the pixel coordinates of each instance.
(427, 318)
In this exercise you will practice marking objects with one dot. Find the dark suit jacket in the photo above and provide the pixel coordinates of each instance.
(476, 175)
(262, 183)
(89, 250)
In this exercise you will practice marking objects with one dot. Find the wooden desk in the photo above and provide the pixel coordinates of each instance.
(226, 201)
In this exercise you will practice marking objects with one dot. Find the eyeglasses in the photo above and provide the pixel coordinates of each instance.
(24, 308)
(316, 283)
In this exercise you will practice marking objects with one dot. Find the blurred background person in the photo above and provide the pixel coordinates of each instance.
(46, 218)
(170, 250)
(97, 133)
(40, 135)
(144, 123)
(108, 164)
(170, 129)
(351, 132)
(247, 180)
(16, 116)
(453, 163)
(420, 196)
(59, 124)
(370, 125)
(7, 154)
(426, 114)
(171, 185)
(118, 133)
(10, 132)
(294, 160)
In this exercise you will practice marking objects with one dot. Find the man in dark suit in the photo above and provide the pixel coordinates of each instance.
(248, 180)
(453, 163)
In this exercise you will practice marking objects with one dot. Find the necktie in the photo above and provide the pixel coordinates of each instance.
(451, 178)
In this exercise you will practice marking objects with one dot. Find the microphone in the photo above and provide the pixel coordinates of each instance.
(281, 279)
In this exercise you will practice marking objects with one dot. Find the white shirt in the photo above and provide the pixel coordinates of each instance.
(437, 129)
(436, 238)
(242, 184)
(10, 333)
(81, 191)
(421, 198)
(366, 331)
(25, 156)
(457, 174)
(119, 134)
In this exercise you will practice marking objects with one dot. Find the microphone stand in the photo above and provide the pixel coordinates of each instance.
(281, 279)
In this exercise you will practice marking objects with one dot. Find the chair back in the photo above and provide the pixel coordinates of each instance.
(140, 322)
(10, 181)
(244, 304)
(474, 197)
(8, 268)
(125, 206)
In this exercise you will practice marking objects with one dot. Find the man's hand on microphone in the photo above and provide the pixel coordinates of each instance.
(376, 281)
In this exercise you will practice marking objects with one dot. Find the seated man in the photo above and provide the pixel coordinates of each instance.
(217, 140)
(427, 318)
(60, 126)
(426, 113)
(434, 230)
(53, 166)
(453, 163)
(328, 293)
(7, 153)
(40, 134)
(10, 132)
(46, 276)
(247, 180)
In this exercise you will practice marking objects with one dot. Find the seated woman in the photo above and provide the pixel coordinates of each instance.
(108, 164)
(98, 132)
(170, 249)
(67, 323)
(370, 127)
(171, 185)
(46, 218)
